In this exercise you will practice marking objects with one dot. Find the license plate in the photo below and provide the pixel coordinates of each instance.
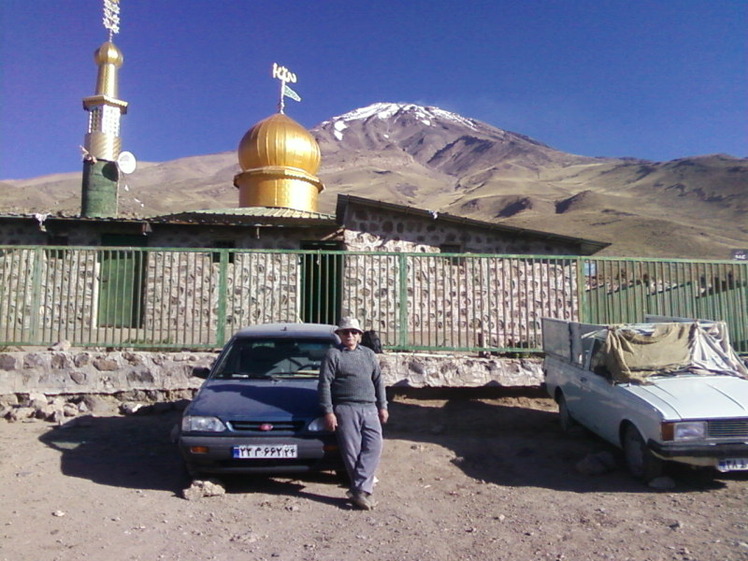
(266, 451)
(733, 464)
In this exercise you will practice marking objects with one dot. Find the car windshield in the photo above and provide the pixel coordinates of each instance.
(273, 358)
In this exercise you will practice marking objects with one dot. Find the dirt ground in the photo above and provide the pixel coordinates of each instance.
(463, 477)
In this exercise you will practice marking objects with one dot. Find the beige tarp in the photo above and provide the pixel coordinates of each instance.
(632, 355)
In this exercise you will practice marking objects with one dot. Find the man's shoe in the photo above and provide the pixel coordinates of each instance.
(361, 500)
(370, 500)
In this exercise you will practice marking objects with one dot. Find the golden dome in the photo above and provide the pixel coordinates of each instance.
(279, 159)
(279, 141)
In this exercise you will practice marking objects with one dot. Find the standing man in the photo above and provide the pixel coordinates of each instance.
(352, 397)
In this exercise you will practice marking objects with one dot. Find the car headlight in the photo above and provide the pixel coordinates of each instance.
(684, 430)
(689, 431)
(192, 423)
(317, 425)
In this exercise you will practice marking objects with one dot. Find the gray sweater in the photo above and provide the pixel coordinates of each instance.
(350, 377)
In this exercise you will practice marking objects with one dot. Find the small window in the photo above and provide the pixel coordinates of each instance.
(598, 360)
(57, 239)
(223, 244)
(452, 248)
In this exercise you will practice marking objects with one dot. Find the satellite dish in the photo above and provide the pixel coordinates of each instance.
(126, 162)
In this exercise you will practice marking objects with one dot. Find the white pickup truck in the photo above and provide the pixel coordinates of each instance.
(665, 390)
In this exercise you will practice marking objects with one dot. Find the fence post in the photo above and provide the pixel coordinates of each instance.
(36, 296)
(581, 297)
(222, 297)
(403, 299)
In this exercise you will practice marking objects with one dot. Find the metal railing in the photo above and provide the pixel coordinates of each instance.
(625, 290)
(165, 298)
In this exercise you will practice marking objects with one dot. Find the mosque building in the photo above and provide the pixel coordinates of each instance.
(278, 191)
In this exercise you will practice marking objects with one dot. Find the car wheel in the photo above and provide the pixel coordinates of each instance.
(640, 461)
(565, 419)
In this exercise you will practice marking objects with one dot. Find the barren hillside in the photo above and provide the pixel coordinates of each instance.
(429, 158)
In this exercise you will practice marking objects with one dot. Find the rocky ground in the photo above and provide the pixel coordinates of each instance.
(464, 476)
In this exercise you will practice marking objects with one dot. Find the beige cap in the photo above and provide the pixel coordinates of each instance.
(349, 323)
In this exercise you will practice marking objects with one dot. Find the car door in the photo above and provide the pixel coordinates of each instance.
(599, 402)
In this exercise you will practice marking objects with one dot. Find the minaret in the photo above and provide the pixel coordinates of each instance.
(102, 143)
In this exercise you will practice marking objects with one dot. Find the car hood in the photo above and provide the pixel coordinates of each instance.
(257, 399)
(696, 397)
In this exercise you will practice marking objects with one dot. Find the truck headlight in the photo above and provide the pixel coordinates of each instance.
(684, 430)
(192, 423)
(692, 430)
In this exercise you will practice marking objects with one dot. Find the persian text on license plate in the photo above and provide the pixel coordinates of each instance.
(733, 464)
(265, 451)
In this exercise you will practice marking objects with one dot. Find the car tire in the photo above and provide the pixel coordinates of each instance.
(565, 419)
(640, 461)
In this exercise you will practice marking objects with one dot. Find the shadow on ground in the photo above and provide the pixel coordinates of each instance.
(296, 487)
(511, 440)
(134, 452)
(515, 439)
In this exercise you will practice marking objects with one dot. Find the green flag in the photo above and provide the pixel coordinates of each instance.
(288, 92)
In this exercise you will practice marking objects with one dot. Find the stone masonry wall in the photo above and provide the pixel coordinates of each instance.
(466, 302)
(86, 372)
(475, 302)
(381, 230)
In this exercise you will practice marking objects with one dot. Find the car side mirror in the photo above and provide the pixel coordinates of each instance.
(201, 372)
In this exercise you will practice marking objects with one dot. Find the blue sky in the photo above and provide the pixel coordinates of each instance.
(658, 79)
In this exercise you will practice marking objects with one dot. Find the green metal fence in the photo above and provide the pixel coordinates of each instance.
(625, 290)
(196, 298)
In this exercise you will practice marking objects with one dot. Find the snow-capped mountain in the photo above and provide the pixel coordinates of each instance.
(431, 158)
(426, 116)
(437, 138)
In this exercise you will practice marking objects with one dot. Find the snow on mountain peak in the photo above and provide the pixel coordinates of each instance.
(426, 115)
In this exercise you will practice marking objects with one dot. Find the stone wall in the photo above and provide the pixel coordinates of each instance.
(75, 372)
(377, 229)
(82, 372)
(158, 297)
(465, 302)
(419, 370)
(126, 297)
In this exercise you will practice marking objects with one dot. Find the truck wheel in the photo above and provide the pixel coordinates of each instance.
(640, 461)
(565, 419)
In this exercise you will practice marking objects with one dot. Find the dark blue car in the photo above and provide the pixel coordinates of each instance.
(257, 411)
